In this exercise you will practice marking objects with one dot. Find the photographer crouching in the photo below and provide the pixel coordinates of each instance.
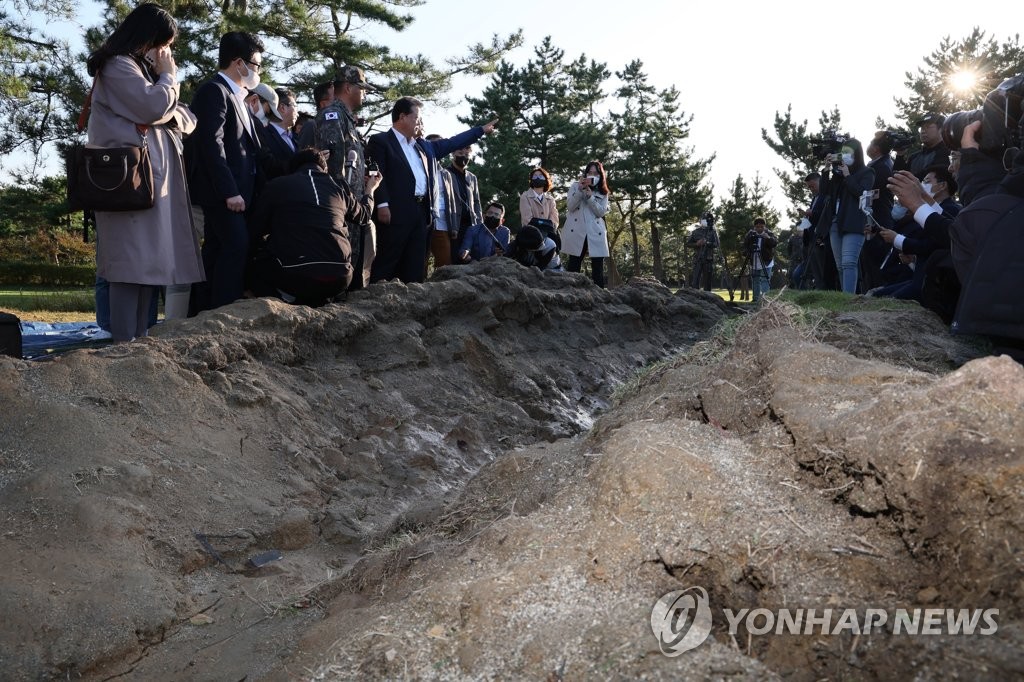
(759, 249)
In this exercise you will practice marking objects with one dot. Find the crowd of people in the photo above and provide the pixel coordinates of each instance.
(940, 226)
(254, 199)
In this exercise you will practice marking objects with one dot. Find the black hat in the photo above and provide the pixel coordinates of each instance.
(937, 119)
(529, 238)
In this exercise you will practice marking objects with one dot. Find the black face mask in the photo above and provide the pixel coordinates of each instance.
(461, 161)
(492, 222)
(538, 182)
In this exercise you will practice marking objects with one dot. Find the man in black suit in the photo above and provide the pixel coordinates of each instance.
(403, 197)
(224, 173)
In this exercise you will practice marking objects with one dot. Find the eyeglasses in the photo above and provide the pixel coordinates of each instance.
(255, 65)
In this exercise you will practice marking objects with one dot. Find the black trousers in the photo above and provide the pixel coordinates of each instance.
(401, 246)
(225, 250)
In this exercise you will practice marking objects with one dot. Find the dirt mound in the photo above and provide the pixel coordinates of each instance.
(786, 473)
(145, 488)
(413, 484)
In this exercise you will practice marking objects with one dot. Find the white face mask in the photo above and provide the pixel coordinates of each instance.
(928, 188)
(703, 223)
(848, 159)
(250, 80)
(594, 180)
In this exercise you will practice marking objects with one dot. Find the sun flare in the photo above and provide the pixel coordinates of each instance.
(963, 81)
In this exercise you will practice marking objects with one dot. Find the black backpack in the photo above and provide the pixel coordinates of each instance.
(547, 228)
(10, 335)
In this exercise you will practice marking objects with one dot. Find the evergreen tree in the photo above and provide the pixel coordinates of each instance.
(989, 60)
(37, 78)
(549, 116)
(44, 84)
(795, 144)
(660, 185)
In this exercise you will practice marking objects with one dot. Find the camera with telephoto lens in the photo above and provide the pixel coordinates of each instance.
(899, 140)
(830, 142)
(1000, 117)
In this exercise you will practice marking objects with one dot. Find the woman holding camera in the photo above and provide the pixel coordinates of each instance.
(135, 103)
(584, 232)
(843, 183)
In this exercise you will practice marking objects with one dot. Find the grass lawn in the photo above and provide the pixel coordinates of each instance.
(46, 304)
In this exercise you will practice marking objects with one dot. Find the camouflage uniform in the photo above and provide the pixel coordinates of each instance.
(337, 133)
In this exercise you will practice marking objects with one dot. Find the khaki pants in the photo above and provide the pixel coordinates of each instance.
(441, 248)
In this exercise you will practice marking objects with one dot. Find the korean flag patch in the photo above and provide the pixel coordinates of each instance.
(331, 116)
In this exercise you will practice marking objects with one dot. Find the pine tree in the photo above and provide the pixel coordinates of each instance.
(795, 145)
(657, 183)
(549, 116)
(44, 85)
(991, 61)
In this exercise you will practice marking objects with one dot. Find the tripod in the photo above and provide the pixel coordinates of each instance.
(704, 266)
(758, 273)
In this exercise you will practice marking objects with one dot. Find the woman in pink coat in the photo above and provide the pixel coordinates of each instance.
(537, 202)
(138, 251)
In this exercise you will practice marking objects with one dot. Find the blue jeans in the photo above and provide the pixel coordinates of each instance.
(846, 250)
(761, 281)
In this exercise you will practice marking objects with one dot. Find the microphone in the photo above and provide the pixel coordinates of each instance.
(350, 166)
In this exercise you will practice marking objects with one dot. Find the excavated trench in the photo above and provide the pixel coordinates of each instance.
(186, 506)
(414, 485)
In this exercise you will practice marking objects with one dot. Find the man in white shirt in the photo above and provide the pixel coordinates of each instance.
(403, 197)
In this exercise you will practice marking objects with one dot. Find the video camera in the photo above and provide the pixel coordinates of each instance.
(899, 140)
(1000, 117)
(830, 142)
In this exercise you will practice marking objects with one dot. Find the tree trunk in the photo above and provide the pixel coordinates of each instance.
(659, 266)
(636, 247)
(614, 278)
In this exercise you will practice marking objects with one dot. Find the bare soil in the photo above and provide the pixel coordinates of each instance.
(495, 475)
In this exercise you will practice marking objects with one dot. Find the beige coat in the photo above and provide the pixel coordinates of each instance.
(157, 246)
(584, 223)
(530, 208)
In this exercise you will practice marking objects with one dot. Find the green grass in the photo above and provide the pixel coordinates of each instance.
(33, 299)
(838, 302)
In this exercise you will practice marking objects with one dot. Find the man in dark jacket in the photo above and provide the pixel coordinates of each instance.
(298, 228)
(224, 175)
(704, 241)
(933, 152)
(759, 248)
(986, 246)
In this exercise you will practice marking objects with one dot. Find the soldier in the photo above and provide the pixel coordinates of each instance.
(337, 133)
